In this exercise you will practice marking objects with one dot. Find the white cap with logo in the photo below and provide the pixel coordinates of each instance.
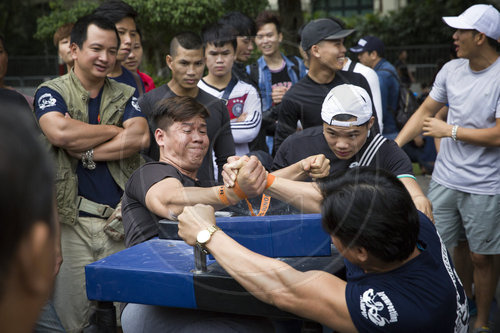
(483, 18)
(347, 99)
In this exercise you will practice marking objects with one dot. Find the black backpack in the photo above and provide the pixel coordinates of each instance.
(407, 103)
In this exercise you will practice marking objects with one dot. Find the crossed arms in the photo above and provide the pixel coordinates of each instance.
(108, 141)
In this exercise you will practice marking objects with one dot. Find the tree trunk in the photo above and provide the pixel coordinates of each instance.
(291, 19)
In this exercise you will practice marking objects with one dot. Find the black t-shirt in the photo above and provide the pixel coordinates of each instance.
(140, 224)
(304, 100)
(281, 77)
(218, 126)
(311, 141)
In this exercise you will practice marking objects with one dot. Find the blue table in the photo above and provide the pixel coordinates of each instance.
(161, 272)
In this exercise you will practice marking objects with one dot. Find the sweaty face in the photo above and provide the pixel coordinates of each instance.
(185, 143)
(97, 56)
(268, 39)
(187, 67)
(219, 60)
(64, 51)
(133, 60)
(4, 60)
(128, 34)
(244, 48)
(332, 53)
(345, 142)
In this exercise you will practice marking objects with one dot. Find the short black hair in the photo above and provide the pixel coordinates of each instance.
(26, 175)
(188, 40)
(370, 208)
(243, 24)
(266, 17)
(219, 34)
(177, 108)
(79, 31)
(115, 11)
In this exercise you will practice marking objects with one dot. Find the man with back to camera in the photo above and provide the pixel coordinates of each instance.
(465, 185)
(370, 52)
(399, 274)
(344, 139)
(323, 42)
(187, 64)
(123, 16)
(27, 218)
(96, 130)
(242, 99)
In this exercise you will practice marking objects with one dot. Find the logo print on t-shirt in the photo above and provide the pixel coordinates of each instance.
(46, 100)
(375, 305)
(235, 106)
(135, 104)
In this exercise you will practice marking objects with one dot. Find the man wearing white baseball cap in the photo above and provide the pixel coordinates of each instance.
(465, 186)
(344, 138)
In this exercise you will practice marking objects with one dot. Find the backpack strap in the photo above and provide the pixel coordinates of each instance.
(229, 89)
(254, 73)
(352, 65)
(371, 150)
(296, 67)
(138, 82)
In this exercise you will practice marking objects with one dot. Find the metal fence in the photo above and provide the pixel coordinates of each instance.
(30, 71)
(423, 60)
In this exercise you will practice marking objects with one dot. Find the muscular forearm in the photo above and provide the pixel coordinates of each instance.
(315, 295)
(487, 137)
(421, 202)
(169, 202)
(414, 126)
(130, 141)
(76, 135)
(302, 195)
(264, 277)
(292, 172)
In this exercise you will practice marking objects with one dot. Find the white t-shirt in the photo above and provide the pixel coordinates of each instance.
(372, 78)
(243, 99)
(474, 102)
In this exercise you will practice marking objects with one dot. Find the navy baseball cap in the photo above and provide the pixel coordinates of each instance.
(369, 43)
(322, 29)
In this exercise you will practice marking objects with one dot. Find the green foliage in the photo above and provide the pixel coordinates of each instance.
(61, 14)
(416, 24)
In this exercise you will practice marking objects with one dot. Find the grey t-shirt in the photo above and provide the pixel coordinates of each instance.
(474, 102)
(139, 223)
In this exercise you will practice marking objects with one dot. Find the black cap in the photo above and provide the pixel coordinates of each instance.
(322, 29)
(369, 43)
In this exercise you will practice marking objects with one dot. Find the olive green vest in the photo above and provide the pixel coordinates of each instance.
(114, 98)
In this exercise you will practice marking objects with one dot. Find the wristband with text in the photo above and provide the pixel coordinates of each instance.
(222, 195)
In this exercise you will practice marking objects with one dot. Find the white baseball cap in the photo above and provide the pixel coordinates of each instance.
(483, 18)
(347, 99)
